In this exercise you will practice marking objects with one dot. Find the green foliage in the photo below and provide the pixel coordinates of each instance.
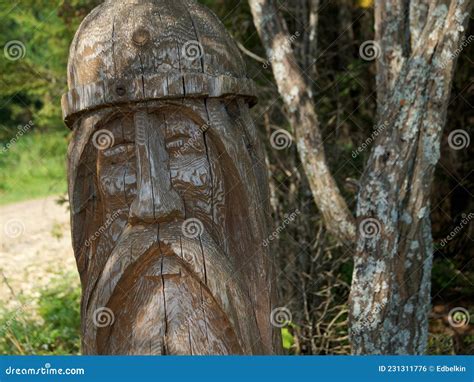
(34, 166)
(287, 339)
(42, 31)
(52, 329)
(440, 344)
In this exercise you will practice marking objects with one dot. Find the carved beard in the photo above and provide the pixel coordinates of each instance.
(192, 187)
(171, 294)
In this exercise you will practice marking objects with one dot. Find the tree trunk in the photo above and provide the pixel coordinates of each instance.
(416, 45)
(297, 97)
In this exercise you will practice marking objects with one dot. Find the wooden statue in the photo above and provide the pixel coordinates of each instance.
(167, 184)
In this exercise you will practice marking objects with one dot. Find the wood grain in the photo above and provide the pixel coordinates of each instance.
(163, 137)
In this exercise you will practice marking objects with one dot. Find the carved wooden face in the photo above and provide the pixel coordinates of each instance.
(168, 191)
(160, 167)
(157, 168)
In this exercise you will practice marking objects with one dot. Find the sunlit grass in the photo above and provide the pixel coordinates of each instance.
(34, 166)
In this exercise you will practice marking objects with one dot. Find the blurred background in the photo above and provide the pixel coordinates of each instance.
(39, 285)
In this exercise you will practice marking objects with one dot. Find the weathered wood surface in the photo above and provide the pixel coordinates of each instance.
(168, 189)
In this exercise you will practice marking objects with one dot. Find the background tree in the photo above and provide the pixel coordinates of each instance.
(391, 283)
(417, 42)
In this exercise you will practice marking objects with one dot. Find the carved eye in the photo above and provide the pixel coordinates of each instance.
(183, 143)
(124, 152)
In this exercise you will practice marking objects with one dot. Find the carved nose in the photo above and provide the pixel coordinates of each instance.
(156, 200)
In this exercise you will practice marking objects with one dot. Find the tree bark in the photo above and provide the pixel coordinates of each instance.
(297, 96)
(418, 43)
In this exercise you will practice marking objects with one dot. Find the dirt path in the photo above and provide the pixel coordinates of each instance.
(35, 245)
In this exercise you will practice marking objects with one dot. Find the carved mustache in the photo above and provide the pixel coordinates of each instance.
(165, 239)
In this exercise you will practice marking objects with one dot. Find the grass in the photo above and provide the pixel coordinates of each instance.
(34, 166)
(50, 328)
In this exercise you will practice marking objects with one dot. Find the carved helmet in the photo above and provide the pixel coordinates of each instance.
(138, 50)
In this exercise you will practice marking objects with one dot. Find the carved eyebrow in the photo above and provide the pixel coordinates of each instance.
(178, 135)
(121, 148)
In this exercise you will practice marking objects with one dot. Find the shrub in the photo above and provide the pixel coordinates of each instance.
(51, 328)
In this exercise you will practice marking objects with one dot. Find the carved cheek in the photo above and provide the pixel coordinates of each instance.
(117, 179)
(192, 172)
(199, 180)
(191, 177)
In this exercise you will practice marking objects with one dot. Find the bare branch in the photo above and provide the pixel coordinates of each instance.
(297, 97)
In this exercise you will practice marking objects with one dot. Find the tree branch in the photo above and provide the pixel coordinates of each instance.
(297, 97)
